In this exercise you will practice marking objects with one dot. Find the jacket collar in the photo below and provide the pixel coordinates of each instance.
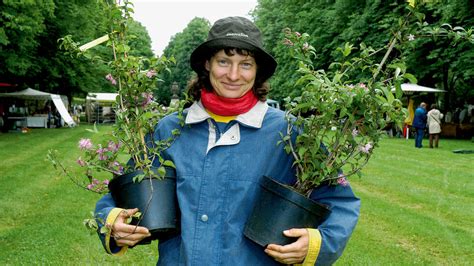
(253, 118)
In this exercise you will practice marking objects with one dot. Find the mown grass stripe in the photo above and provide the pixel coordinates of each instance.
(416, 206)
(413, 232)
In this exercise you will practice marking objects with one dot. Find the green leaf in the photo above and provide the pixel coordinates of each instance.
(302, 151)
(161, 171)
(410, 78)
(168, 163)
(94, 130)
(104, 230)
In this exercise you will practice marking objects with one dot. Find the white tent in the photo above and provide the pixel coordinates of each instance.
(100, 107)
(102, 96)
(408, 87)
(59, 101)
(28, 94)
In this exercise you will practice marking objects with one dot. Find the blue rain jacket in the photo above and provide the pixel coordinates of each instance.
(420, 118)
(218, 170)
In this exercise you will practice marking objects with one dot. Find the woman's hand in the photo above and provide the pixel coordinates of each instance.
(291, 253)
(125, 234)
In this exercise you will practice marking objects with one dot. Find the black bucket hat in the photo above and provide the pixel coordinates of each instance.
(234, 32)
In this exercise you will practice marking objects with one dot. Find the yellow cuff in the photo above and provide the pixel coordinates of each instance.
(313, 248)
(113, 214)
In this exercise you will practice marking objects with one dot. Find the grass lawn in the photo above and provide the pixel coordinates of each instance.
(417, 206)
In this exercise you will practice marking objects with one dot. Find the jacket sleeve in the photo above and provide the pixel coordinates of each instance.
(106, 212)
(337, 228)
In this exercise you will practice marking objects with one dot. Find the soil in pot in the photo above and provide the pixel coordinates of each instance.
(156, 200)
(278, 208)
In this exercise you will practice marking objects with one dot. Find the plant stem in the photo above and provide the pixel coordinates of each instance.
(292, 148)
(66, 173)
(385, 57)
(390, 48)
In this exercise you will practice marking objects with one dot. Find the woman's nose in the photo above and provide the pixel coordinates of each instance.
(233, 73)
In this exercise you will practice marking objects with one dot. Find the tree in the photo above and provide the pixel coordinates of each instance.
(21, 22)
(333, 23)
(140, 45)
(439, 62)
(29, 47)
(181, 46)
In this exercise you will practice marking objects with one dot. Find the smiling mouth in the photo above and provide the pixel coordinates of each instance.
(231, 86)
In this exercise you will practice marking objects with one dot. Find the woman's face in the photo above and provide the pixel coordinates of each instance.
(231, 76)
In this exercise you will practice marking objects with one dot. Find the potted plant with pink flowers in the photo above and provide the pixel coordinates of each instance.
(333, 127)
(336, 122)
(128, 163)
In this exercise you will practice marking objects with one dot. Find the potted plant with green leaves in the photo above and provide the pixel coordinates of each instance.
(128, 163)
(334, 126)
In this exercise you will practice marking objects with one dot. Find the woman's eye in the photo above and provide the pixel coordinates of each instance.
(247, 65)
(222, 62)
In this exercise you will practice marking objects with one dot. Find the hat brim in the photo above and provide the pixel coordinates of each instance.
(266, 63)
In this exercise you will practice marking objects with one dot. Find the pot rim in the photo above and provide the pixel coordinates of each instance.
(287, 192)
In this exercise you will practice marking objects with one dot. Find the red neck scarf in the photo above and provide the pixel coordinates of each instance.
(228, 106)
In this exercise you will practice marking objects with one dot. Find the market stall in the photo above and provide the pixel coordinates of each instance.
(100, 107)
(21, 116)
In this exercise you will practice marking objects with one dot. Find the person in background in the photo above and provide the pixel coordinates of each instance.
(449, 117)
(434, 125)
(463, 115)
(419, 123)
(228, 144)
(49, 111)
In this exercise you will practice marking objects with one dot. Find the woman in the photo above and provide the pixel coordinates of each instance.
(434, 125)
(228, 144)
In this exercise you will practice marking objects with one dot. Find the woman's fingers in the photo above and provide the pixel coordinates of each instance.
(124, 228)
(129, 235)
(291, 253)
(126, 234)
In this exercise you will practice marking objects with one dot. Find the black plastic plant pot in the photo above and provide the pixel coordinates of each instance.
(156, 199)
(278, 208)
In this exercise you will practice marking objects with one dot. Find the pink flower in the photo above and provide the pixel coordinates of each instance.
(151, 73)
(119, 169)
(366, 148)
(114, 147)
(81, 162)
(116, 165)
(101, 151)
(106, 182)
(297, 34)
(110, 78)
(342, 180)
(90, 186)
(85, 144)
(363, 86)
(355, 132)
(148, 98)
(287, 42)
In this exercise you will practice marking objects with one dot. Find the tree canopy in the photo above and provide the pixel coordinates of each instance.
(434, 61)
(30, 56)
(181, 46)
(29, 50)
